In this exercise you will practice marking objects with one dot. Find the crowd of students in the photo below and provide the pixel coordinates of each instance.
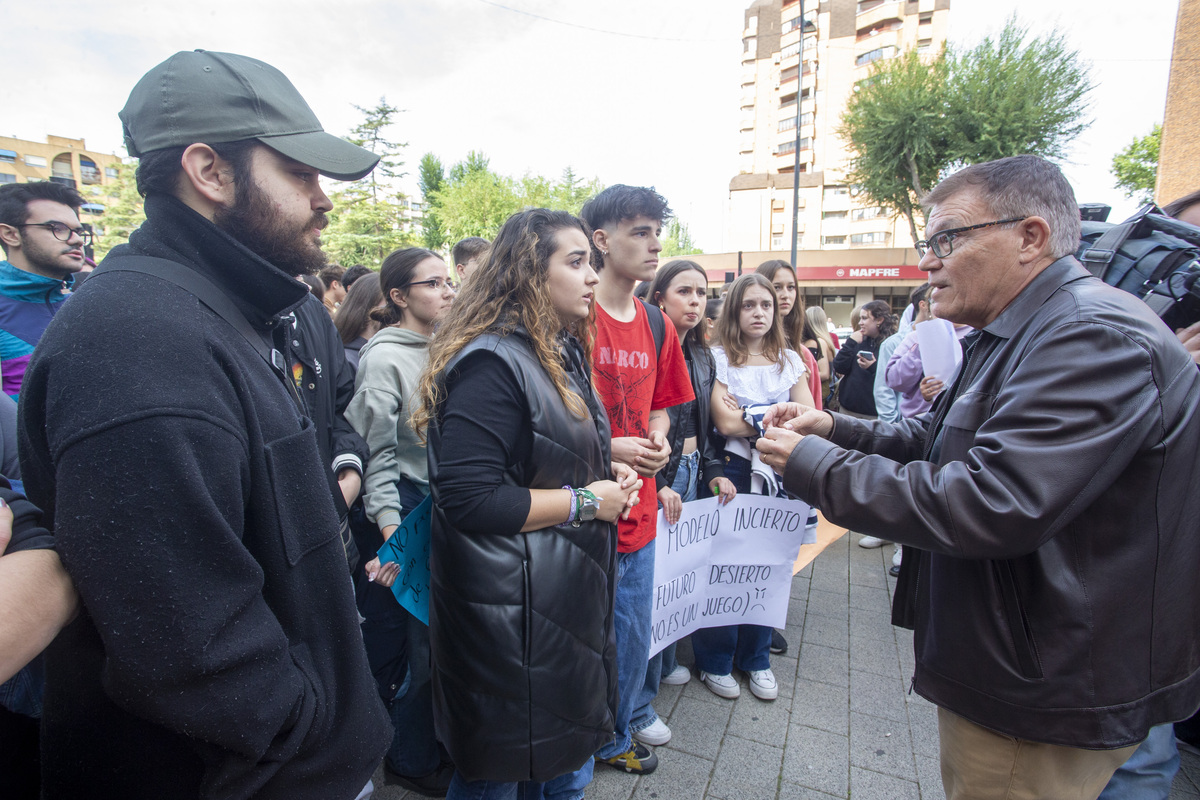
(567, 382)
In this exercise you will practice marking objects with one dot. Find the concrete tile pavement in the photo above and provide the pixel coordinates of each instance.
(844, 725)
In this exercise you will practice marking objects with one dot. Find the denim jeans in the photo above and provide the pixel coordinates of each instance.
(748, 647)
(415, 751)
(564, 787)
(662, 663)
(635, 592)
(1149, 772)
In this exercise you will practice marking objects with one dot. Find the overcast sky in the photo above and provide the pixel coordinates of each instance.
(627, 91)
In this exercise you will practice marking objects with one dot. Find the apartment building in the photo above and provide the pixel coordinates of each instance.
(799, 69)
(61, 160)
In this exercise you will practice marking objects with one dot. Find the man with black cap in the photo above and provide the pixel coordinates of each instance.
(217, 651)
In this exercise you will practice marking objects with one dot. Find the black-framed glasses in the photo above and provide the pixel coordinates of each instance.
(942, 242)
(61, 231)
(432, 283)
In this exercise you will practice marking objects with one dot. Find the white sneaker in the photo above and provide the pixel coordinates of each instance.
(896, 556)
(721, 685)
(655, 733)
(763, 685)
(871, 542)
(678, 676)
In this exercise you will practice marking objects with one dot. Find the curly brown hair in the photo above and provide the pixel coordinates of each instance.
(510, 289)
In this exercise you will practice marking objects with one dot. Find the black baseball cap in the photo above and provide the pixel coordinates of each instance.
(216, 98)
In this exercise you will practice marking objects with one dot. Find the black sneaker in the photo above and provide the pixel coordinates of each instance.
(778, 643)
(435, 784)
(639, 760)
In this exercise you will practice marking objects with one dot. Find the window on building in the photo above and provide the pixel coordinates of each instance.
(789, 51)
(806, 143)
(751, 45)
(926, 18)
(8, 157)
(833, 240)
(7, 178)
(867, 5)
(787, 124)
(35, 161)
(877, 54)
(752, 24)
(111, 172)
(88, 171)
(832, 192)
(876, 237)
(789, 74)
(834, 214)
(788, 102)
(924, 45)
(776, 242)
(860, 214)
(785, 148)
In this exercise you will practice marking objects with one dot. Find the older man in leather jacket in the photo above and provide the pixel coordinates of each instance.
(1048, 502)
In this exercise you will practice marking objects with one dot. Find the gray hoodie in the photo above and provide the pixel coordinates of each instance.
(389, 370)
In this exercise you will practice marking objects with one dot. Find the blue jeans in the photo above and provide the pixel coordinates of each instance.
(564, 787)
(1149, 772)
(748, 647)
(415, 751)
(635, 593)
(662, 663)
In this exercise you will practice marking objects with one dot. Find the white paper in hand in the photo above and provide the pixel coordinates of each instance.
(941, 355)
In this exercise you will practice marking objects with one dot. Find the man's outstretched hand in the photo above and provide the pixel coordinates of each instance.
(777, 446)
(799, 418)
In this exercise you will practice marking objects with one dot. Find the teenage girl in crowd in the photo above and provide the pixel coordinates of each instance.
(524, 548)
(857, 360)
(416, 293)
(679, 288)
(353, 319)
(816, 331)
(791, 311)
(754, 365)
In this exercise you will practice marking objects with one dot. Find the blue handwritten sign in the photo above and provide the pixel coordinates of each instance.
(409, 547)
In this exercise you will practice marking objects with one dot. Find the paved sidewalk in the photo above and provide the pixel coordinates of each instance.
(844, 725)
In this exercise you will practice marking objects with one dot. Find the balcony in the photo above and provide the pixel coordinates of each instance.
(885, 10)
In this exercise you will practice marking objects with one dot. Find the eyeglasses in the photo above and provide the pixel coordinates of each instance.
(432, 283)
(942, 242)
(61, 232)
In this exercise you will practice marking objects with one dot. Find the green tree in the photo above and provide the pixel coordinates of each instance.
(1136, 166)
(677, 240)
(917, 118)
(368, 220)
(431, 178)
(474, 200)
(123, 212)
(895, 123)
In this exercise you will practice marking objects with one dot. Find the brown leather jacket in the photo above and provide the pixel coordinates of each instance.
(1056, 504)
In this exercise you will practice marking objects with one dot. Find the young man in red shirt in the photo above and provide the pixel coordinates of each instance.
(637, 382)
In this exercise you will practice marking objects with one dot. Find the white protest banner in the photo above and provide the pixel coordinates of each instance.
(725, 565)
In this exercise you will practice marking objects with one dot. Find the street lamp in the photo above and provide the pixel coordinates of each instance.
(805, 27)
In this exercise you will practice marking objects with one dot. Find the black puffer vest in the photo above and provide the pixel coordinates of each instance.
(521, 626)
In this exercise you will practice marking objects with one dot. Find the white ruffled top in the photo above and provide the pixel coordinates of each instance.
(760, 385)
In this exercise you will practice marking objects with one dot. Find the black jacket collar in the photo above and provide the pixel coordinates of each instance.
(172, 230)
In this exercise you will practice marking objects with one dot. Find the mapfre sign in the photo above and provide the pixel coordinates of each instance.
(904, 272)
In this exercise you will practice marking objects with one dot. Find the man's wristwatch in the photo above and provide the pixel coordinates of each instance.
(587, 507)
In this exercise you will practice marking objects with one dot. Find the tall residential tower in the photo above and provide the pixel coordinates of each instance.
(799, 73)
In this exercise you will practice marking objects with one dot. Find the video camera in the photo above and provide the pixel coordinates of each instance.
(1149, 255)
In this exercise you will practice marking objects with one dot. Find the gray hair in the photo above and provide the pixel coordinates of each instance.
(1019, 186)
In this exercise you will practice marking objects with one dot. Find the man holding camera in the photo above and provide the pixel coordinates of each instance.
(1048, 502)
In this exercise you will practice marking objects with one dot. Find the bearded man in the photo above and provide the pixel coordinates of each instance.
(217, 650)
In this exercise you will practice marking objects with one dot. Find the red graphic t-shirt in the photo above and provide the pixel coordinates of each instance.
(631, 381)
